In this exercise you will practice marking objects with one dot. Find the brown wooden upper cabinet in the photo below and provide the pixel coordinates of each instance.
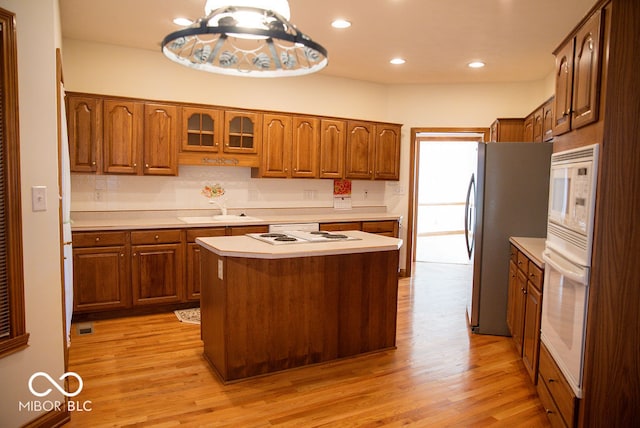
(387, 152)
(305, 147)
(537, 125)
(242, 131)
(547, 120)
(359, 151)
(84, 126)
(160, 151)
(527, 133)
(373, 151)
(276, 146)
(578, 77)
(117, 135)
(289, 147)
(333, 139)
(122, 136)
(507, 130)
(202, 129)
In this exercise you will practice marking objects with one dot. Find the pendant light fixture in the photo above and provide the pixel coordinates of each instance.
(246, 38)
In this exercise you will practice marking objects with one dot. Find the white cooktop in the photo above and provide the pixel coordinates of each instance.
(300, 236)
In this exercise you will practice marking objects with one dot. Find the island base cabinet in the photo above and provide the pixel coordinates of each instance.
(266, 315)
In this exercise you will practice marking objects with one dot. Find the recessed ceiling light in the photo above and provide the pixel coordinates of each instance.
(397, 61)
(183, 22)
(341, 23)
(476, 64)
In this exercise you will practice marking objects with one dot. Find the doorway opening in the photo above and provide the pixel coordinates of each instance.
(445, 168)
(442, 160)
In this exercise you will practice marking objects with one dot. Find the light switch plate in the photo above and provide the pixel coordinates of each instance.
(38, 198)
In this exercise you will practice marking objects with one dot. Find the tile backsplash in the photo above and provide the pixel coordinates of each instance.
(120, 192)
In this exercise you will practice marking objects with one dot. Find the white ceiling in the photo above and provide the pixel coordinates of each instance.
(436, 37)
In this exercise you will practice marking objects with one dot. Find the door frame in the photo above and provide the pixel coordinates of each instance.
(414, 169)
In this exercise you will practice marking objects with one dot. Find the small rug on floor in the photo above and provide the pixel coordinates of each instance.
(191, 316)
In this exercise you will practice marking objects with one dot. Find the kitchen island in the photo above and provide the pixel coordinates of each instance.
(266, 308)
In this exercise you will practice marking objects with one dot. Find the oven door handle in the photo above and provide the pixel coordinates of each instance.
(566, 268)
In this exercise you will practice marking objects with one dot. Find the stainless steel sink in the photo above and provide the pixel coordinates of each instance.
(229, 218)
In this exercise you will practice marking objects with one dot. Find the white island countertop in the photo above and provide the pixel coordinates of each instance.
(248, 247)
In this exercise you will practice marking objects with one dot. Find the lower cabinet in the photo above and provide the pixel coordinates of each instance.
(140, 269)
(379, 227)
(123, 270)
(157, 267)
(341, 226)
(554, 391)
(101, 272)
(194, 276)
(524, 308)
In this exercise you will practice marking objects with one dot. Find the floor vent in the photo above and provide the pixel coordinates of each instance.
(85, 328)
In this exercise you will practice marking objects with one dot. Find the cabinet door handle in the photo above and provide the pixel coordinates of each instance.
(157, 237)
(146, 165)
(121, 254)
(551, 380)
(135, 165)
(98, 239)
(135, 254)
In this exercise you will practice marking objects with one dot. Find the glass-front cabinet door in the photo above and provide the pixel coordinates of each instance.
(242, 132)
(202, 129)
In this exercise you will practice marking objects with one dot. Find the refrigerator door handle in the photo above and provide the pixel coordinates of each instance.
(468, 216)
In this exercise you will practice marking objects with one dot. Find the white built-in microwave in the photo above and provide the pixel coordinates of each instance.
(572, 190)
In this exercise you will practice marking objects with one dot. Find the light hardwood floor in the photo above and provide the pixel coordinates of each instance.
(149, 371)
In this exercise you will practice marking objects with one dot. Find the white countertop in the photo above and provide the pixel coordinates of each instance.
(247, 247)
(119, 220)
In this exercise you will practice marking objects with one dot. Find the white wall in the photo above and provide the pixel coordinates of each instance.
(38, 36)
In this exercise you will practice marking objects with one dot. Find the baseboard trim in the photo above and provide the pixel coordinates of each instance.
(52, 419)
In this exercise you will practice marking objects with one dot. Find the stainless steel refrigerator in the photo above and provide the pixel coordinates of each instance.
(507, 196)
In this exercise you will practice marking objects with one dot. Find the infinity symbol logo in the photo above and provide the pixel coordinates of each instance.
(55, 384)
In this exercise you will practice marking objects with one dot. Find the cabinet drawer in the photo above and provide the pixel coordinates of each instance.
(550, 407)
(559, 389)
(523, 263)
(155, 237)
(333, 227)
(243, 230)
(99, 239)
(192, 234)
(535, 275)
(379, 226)
(513, 252)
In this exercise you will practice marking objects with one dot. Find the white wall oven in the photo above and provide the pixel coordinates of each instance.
(567, 257)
